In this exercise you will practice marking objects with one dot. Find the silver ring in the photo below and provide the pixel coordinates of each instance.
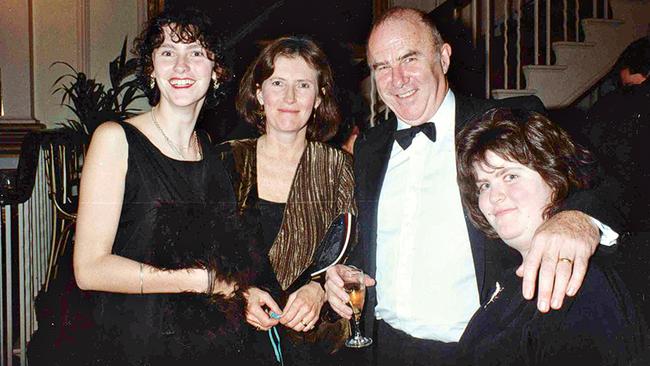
(564, 259)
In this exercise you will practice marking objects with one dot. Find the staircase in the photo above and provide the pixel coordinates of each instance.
(580, 64)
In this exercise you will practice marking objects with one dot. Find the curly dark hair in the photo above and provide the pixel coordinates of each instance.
(187, 25)
(324, 124)
(530, 139)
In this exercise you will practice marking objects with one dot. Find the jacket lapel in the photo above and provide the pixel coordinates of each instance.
(466, 110)
(379, 154)
(370, 164)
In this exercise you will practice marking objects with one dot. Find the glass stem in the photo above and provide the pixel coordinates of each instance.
(356, 331)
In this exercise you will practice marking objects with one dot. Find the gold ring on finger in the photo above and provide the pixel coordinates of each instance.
(565, 259)
(303, 323)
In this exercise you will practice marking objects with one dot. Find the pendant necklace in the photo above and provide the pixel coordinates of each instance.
(171, 143)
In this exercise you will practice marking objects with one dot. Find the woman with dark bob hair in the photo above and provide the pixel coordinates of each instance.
(295, 183)
(193, 27)
(515, 169)
(157, 236)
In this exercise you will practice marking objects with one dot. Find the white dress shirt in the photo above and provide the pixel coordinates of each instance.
(426, 282)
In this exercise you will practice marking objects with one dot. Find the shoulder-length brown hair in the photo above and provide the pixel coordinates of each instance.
(323, 125)
(529, 139)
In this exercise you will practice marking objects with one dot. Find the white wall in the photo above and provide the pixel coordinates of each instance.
(110, 22)
(87, 34)
(15, 68)
(55, 39)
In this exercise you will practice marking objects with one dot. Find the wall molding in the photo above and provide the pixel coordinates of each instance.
(30, 17)
(16, 52)
(83, 36)
(143, 16)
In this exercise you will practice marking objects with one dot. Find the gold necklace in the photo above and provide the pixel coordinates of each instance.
(171, 143)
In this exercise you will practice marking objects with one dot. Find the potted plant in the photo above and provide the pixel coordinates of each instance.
(91, 102)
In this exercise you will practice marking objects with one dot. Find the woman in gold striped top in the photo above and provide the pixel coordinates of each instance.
(293, 182)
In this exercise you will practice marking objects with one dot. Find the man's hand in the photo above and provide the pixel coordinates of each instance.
(256, 315)
(336, 294)
(560, 252)
(303, 307)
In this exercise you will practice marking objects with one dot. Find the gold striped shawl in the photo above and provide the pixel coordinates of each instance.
(322, 188)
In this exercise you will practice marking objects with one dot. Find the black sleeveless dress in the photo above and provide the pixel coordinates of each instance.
(176, 214)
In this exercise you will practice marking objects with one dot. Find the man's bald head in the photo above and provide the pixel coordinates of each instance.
(409, 14)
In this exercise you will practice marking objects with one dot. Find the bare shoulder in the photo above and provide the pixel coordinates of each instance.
(110, 132)
(108, 143)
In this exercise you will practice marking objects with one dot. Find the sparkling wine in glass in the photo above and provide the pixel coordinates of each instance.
(357, 293)
(355, 287)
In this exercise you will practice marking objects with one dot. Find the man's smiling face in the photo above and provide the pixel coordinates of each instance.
(409, 70)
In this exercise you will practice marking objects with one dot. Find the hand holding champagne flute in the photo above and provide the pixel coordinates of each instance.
(357, 293)
(354, 285)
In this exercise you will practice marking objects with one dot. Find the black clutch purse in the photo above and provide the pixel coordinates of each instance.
(334, 246)
(331, 331)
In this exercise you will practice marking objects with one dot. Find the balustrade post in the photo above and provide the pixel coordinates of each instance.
(488, 33)
(506, 16)
(536, 32)
(565, 30)
(548, 32)
(518, 44)
(577, 20)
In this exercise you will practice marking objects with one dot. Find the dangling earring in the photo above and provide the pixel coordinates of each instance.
(261, 124)
(215, 84)
(260, 112)
(152, 82)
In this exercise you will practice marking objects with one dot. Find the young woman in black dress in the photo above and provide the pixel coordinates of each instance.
(515, 169)
(156, 237)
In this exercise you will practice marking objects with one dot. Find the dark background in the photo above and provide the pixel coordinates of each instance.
(339, 26)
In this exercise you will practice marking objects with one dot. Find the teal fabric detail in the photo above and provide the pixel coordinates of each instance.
(275, 343)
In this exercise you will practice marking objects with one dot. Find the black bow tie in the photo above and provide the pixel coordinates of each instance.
(405, 137)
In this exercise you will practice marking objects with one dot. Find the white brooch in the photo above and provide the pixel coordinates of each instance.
(495, 294)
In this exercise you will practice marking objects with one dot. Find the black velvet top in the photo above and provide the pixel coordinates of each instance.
(271, 216)
(599, 326)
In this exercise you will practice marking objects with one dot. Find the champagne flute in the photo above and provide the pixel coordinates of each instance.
(354, 284)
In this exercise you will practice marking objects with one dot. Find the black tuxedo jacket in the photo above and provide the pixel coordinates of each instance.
(371, 154)
(617, 130)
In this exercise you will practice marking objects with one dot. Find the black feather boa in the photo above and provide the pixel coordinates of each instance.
(208, 237)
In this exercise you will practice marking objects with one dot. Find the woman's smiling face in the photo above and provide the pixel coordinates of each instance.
(183, 71)
(290, 95)
(512, 197)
